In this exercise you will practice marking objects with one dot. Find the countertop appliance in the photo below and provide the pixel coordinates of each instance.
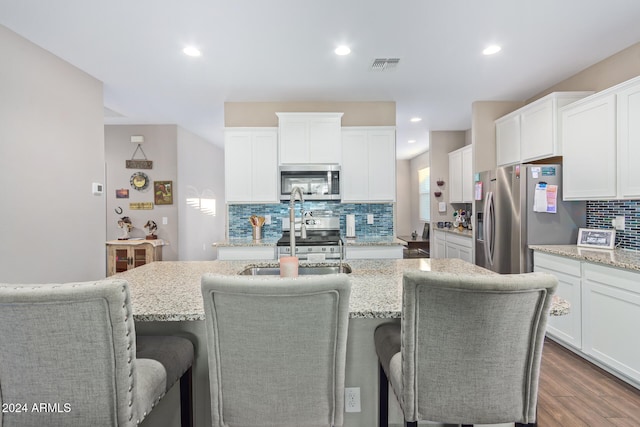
(513, 209)
(317, 182)
(323, 240)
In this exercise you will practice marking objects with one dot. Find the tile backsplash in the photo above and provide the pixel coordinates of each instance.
(382, 226)
(600, 214)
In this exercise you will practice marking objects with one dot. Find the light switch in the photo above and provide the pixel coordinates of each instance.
(165, 220)
(442, 207)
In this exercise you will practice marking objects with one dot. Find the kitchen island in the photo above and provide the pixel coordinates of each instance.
(166, 299)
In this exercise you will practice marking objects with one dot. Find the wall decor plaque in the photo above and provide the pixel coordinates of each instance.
(139, 164)
(141, 206)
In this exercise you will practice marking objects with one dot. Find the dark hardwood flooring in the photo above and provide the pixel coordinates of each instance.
(576, 393)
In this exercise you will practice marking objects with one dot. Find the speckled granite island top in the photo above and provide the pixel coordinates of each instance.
(621, 258)
(170, 290)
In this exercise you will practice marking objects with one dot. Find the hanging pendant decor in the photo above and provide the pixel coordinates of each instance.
(138, 163)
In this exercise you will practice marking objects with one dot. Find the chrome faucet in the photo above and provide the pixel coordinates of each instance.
(292, 219)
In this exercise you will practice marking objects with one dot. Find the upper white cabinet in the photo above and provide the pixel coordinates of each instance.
(532, 132)
(461, 175)
(601, 138)
(589, 161)
(309, 137)
(368, 164)
(251, 165)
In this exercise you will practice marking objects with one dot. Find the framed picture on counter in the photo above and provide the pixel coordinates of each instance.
(594, 238)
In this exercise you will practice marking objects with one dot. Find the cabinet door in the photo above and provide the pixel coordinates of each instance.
(508, 140)
(629, 141)
(382, 165)
(264, 167)
(567, 328)
(238, 164)
(537, 131)
(439, 245)
(467, 175)
(355, 166)
(589, 149)
(293, 144)
(610, 318)
(455, 177)
(324, 140)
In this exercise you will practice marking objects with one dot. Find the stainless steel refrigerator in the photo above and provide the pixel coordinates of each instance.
(521, 205)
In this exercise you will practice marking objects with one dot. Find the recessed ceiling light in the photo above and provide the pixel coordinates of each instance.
(411, 141)
(490, 50)
(342, 50)
(415, 119)
(191, 51)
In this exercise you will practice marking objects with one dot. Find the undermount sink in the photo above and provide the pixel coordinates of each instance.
(303, 270)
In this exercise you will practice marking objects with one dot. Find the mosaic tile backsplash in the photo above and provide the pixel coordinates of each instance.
(600, 214)
(382, 226)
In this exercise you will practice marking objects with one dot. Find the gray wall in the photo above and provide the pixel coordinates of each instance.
(441, 144)
(404, 198)
(51, 150)
(200, 174)
(160, 146)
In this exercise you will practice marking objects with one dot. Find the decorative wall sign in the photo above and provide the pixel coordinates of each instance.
(139, 181)
(122, 193)
(596, 238)
(139, 164)
(163, 192)
(141, 206)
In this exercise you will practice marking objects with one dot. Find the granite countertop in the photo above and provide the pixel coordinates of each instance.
(621, 258)
(246, 241)
(458, 231)
(170, 290)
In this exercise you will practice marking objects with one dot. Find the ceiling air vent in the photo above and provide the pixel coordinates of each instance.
(382, 64)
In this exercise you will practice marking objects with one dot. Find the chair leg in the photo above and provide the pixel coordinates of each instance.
(383, 398)
(410, 424)
(186, 399)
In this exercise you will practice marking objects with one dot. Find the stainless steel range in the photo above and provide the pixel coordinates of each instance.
(323, 240)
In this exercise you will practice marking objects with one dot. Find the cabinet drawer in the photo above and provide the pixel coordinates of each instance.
(557, 263)
(459, 240)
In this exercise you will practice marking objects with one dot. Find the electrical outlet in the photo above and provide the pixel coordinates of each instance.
(369, 219)
(165, 220)
(267, 219)
(618, 223)
(352, 399)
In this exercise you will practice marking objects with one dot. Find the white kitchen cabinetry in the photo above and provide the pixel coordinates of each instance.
(251, 165)
(254, 253)
(368, 164)
(628, 103)
(309, 137)
(567, 328)
(508, 139)
(373, 252)
(439, 249)
(450, 245)
(461, 175)
(589, 161)
(610, 316)
(533, 132)
(601, 138)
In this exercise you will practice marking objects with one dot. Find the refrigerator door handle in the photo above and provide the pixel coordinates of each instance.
(489, 228)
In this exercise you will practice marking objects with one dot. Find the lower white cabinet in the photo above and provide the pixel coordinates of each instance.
(254, 253)
(602, 325)
(610, 318)
(567, 328)
(449, 245)
(373, 252)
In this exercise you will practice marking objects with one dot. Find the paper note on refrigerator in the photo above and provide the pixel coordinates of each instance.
(545, 198)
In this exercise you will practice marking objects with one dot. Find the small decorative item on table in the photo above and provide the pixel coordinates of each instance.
(151, 226)
(256, 224)
(126, 225)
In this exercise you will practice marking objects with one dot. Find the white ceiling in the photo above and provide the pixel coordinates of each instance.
(282, 50)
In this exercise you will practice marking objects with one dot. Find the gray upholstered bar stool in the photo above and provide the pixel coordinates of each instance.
(277, 349)
(468, 348)
(72, 348)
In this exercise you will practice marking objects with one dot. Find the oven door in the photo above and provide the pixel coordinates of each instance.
(317, 182)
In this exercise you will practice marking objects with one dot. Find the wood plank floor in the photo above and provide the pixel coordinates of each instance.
(575, 393)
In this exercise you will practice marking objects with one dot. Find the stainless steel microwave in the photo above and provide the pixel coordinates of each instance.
(318, 182)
